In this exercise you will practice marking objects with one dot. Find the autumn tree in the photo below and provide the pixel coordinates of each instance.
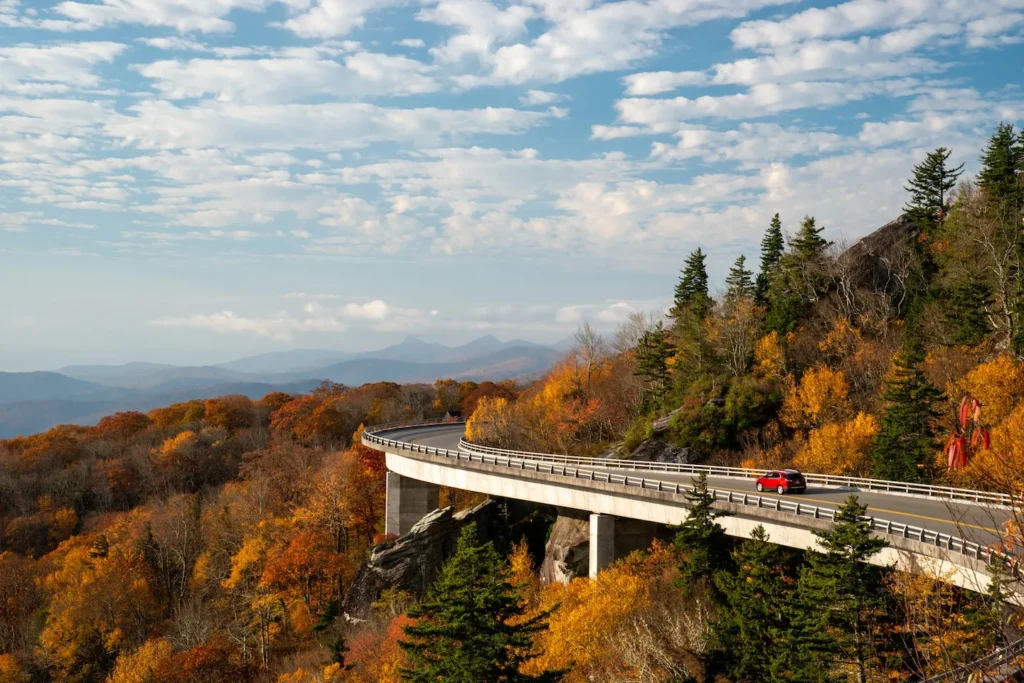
(821, 396)
(470, 627)
(839, 447)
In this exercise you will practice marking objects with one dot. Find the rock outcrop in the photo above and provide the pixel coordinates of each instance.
(567, 552)
(656, 450)
(412, 562)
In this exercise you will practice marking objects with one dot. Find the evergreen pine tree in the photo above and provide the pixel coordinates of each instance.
(1001, 167)
(702, 540)
(752, 639)
(691, 294)
(965, 312)
(905, 445)
(808, 243)
(652, 353)
(470, 627)
(799, 279)
(842, 607)
(929, 189)
(739, 283)
(772, 247)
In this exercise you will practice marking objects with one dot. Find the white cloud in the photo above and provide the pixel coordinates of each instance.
(281, 326)
(294, 79)
(57, 67)
(536, 98)
(587, 39)
(156, 124)
(329, 18)
(861, 16)
(372, 310)
(414, 43)
(206, 16)
(657, 82)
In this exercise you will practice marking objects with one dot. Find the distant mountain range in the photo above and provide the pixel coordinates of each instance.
(82, 394)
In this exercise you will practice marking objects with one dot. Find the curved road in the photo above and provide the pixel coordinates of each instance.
(972, 522)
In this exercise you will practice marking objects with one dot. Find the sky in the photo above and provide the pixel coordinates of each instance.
(192, 181)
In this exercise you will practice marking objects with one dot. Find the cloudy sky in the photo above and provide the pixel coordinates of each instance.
(195, 180)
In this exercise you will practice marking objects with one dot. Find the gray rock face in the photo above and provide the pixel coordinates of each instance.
(567, 553)
(411, 564)
(662, 423)
(660, 451)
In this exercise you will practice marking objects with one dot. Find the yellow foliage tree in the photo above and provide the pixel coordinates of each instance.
(1002, 467)
(769, 356)
(820, 397)
(139, 666)
(997, 384)
(841, 341)
(11, 671)
(589, 612)
(839, 448)
(180, 443)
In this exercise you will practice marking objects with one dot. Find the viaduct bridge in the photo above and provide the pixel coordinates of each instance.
(946, 532)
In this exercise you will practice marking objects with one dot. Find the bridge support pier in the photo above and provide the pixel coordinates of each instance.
(613, 538)
(602, 542)
(408, 500)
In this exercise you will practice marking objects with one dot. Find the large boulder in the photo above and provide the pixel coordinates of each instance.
(655, 450)
(412, 562)
(567, 552)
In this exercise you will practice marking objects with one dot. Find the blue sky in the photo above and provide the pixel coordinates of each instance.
(194, 180)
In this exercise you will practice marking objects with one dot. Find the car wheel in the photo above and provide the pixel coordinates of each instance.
(760, 488)
(780, 490)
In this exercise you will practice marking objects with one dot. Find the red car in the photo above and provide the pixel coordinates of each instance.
(782, 481)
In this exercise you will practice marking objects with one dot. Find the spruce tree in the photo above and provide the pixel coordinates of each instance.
(772, 247)
(470, 627)
(691, 294)
(1001, 167)
(701, 539)
(652, 354)
(905, 445)
(739, 283)
(752, 639)
(965, 312)
(808, 243)
(929, 189)
(799, 280)
(843, 611)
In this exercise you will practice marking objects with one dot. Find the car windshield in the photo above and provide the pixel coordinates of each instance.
(793, 475)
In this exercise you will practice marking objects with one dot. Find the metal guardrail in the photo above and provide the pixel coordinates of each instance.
(859, 483)
(979, 670)
(568, 466)
(562, 465)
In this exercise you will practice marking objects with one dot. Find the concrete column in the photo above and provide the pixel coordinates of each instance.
(602, 542)
(408, 500)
